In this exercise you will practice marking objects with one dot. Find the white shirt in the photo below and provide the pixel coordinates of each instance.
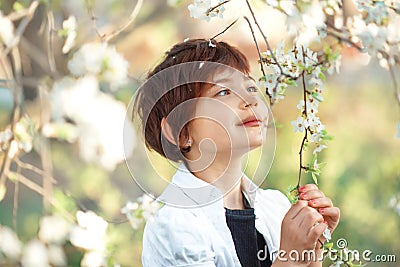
(191, 230)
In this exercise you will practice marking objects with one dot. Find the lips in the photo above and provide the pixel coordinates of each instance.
(251, 121)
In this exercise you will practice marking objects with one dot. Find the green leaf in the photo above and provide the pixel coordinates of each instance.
(17, 6)
(291, 82)
(315, 178)
(62, 33)
(316, 96)
(292, 194)
(328, 245)
(322, 77)
(326, 136)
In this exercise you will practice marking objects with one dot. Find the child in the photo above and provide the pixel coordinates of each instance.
(200, 107)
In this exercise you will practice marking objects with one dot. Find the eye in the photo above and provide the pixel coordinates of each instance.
(252, 89)
(223, 92)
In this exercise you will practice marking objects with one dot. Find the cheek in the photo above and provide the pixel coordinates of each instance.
(203, 128)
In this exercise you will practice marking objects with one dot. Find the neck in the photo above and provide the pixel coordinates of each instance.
(225, 173)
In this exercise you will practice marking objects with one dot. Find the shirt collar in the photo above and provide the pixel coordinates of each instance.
(186, 190)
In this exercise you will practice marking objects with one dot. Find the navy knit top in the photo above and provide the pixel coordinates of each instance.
(248, 241)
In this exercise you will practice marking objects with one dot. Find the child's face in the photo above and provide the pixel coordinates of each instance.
(230, 116)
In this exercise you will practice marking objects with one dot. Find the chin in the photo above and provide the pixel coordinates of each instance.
(254, 145)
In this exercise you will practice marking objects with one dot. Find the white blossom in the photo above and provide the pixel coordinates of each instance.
(101, 60)
(200, 9)
(69, 26)
(394, 203)
(364, 5)
(319, 148)
(93, 259)
(327, 234)
(56, 255)
(61, 130)
(398, 131)
(10, 245)
(270, 81)
(149, 207)
(53, 229)
(5, 137)
(6, 30)
(100, 120)
(315, 124)
(299, 125)
(35, 254)
(90, 233)
(306, 24)
(145, 208)
(336, 264)
(315, 137)
(373, 37)
(377, 13)
(129, 207)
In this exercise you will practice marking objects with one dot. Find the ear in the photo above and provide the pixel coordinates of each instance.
(167, 131)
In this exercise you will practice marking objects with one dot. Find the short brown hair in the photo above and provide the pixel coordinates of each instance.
(155, 100)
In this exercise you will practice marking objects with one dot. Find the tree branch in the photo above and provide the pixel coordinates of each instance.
(22, 26)
(230, 25)
(215, 7)
(93, 19)
(259, 56)
(266, 40)
(301, 167)
(132, 17)
(50, 44)
(38, 189)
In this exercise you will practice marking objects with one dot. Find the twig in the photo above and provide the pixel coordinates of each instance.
(215, 7)
(22, 26)
(230, 25)
(15, 202)
(132, 17)
(27, 166)
(301, 167)
(346, 40)
(15, 113)
(45, 151)
(266, 40)
(259, 56)
(93, 19)
(38, 189)
(50, 44)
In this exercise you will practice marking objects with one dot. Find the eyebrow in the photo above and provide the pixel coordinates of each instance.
(226, 80)
(222, 81)
(251, 78)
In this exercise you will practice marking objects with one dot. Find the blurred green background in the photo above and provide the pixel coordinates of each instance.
(362, 169)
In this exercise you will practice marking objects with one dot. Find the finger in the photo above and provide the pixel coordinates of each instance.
(316, 232)
(331, 215)
(324, 202)
(311, 194)
(309, 217)
(308, 187)
(333, 212)
(295, 209)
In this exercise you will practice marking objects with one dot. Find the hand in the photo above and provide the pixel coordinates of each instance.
(316, 199)
(301, 228)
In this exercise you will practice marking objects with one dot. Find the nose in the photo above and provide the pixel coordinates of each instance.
(248, 101)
